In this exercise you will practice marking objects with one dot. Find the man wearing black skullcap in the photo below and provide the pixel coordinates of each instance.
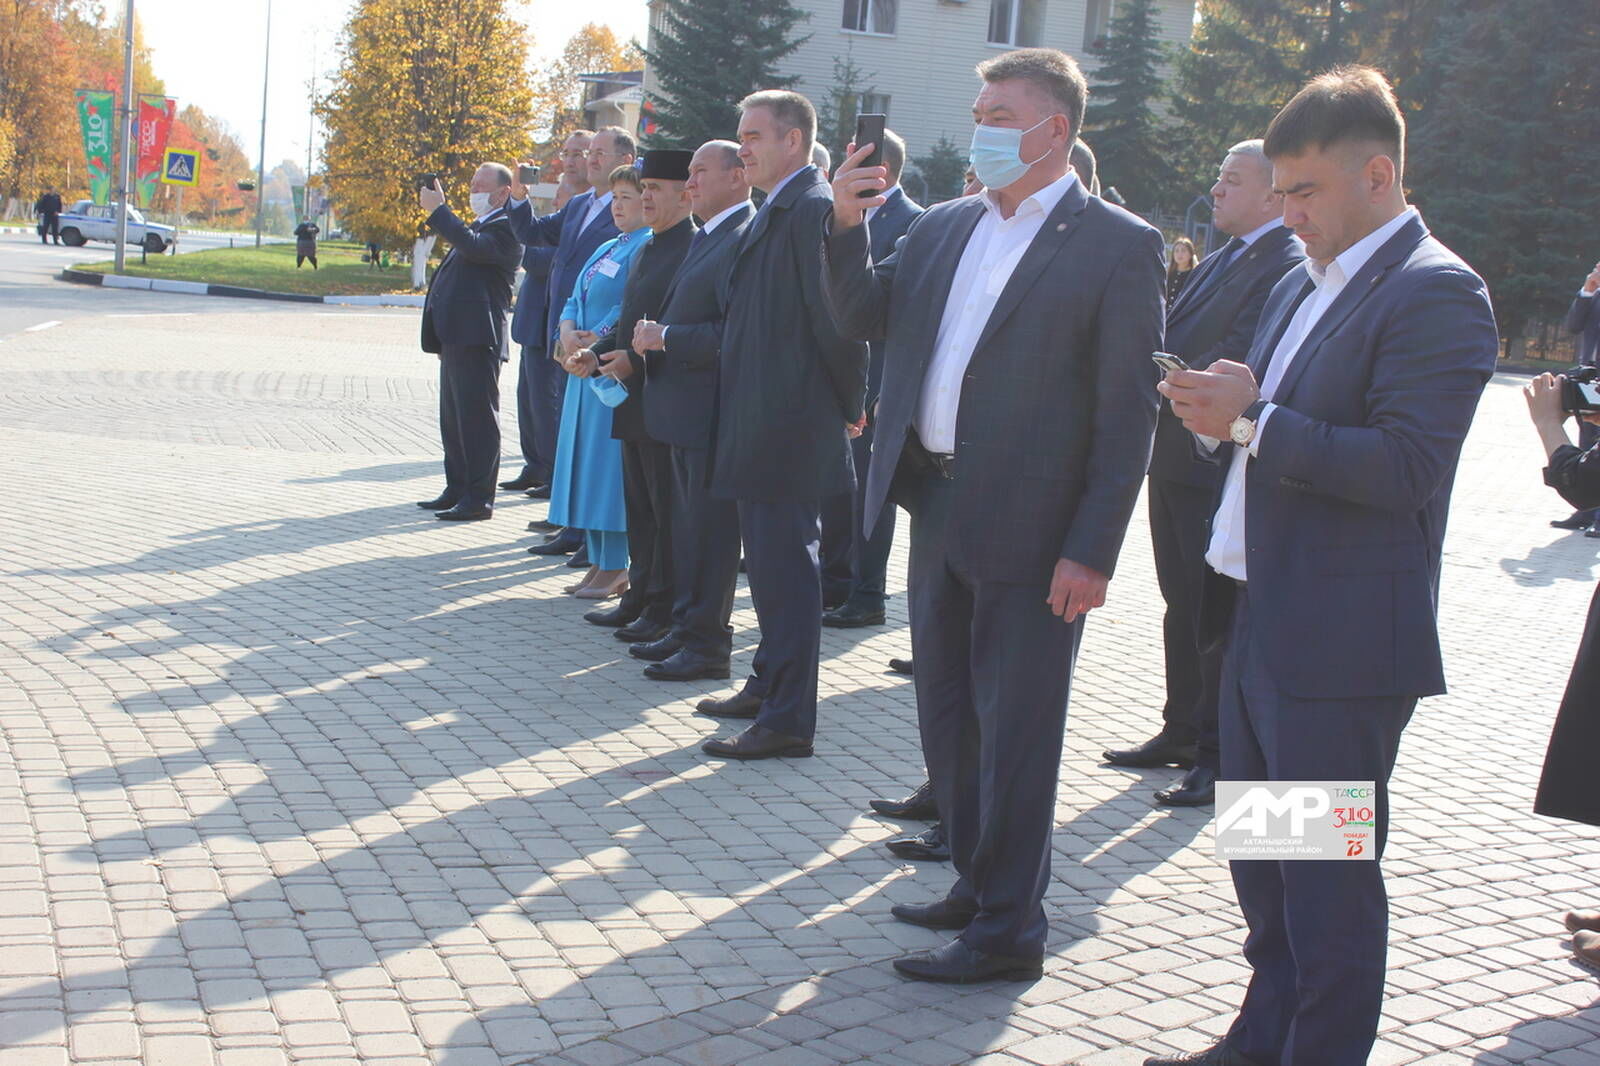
(643, 617)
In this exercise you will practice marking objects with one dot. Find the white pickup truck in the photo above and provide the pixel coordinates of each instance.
(88, 221)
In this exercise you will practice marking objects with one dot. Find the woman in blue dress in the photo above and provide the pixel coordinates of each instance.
(586, 489)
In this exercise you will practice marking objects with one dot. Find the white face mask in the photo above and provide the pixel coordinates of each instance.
(480, 203)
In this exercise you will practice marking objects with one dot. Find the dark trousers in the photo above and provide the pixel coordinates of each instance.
(647, 497)
(1318, 929)
(844, 524)
(469, 422)
(1180, 530)
(780, 552)
(994, 672)
(537, 378)
(49, 228)
(300, 259)
(705, 557)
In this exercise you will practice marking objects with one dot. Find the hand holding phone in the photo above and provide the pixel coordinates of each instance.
(527, 174)
(869, 130)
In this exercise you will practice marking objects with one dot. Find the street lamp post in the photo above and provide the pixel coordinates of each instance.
(126, 135)
(261, 167)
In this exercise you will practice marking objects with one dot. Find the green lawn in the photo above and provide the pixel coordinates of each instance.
(271, 267)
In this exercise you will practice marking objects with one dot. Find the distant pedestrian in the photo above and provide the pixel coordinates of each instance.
(48, 208)
(305, 243)
(374, 256)
(421, 249)
(1181, 262)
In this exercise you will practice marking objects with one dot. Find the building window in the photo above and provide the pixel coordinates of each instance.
(875, 104)
(1018, 23)
(870, 16)
(1096, 20)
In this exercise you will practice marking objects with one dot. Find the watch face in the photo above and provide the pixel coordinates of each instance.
(1241, 430)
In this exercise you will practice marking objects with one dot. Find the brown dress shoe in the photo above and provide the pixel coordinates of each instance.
(1589, 920)
(1586, 949)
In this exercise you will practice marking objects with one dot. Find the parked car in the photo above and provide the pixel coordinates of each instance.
(88, 221)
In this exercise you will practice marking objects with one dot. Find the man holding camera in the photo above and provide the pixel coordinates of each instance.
(1583, 319)
(464, 323)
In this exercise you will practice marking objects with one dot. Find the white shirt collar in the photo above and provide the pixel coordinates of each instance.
(1044, 201)
(1260, 231)
(600, 201)
(776, 189)
(721, 216)
(1349, 262)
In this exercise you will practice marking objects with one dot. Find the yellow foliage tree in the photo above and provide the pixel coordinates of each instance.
(423, 86)
(557, 92)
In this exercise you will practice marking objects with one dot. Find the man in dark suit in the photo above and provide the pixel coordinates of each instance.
(866, 559)
(1213, 318)
(575, 231)
(48, 208)
(644, 612)
(1326, 543)
(1583, 320)
(1019, 397)
(538, 378)
(679, 396)
(790, 395)
(464, 324)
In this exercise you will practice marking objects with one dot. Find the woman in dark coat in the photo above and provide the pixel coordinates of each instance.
(305, 243)
(1568, 788)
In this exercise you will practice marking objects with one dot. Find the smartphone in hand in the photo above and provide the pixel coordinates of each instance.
(869, 130)
(527, 174)
(1169, 362)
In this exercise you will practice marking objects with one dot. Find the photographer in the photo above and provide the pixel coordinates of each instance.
(1566, 788)
(1583, 320)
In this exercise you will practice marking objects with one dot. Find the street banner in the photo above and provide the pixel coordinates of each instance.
(299, 194)
(155, 123)
(95, 119)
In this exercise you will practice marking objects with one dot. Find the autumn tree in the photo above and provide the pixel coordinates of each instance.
(558, 92)
(423, 86)
(223, 164)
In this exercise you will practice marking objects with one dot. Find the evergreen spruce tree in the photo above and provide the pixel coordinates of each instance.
(1121, 122)
(943, 170)
(836, 116)
(709, 55)
(1503, 159)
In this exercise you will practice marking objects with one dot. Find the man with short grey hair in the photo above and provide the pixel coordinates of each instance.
(1213, 318)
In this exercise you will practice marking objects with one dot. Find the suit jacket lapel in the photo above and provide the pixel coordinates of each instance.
(1356, 290)
(1058, 228)
(1190, 296)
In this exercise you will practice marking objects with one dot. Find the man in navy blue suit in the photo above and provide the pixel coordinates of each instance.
(1342, 437)
(1583, 319)
(575, 231)
(539, 380)
(850, 558)
(464, 323)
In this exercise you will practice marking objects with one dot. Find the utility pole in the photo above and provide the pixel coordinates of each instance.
(125, 134)
(261, 168)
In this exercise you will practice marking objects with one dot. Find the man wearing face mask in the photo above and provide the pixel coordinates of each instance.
(464, 324)
(1024, 403)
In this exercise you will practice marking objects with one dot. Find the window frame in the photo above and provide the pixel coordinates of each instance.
(1015, 21)
(866, 7)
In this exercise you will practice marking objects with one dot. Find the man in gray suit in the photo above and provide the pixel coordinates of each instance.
(1018, 395)
(1213, 318)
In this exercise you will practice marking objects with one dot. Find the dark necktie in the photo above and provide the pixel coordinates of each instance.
(696, 241)
(1214, 273)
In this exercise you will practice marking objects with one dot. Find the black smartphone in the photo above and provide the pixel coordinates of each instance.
(869, 130)
(1169, 362)
(527, 174)
(425, 181)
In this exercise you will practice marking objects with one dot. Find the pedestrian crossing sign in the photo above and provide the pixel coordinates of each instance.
(181, 168)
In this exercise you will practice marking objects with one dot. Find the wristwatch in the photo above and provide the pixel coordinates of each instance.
(1242, 430)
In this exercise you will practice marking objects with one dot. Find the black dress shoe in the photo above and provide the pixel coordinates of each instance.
(742, 704)
(1593, 531)
(520, 483)
(943, 914)
(758, 742)
(929, 845)
(540, 492)
(1197, 789)
(919, 806)
(560, 544)
(900, 666)
(614, 617)
(835, 596)
(658, 650)
(685, 665)
(541, 526)
(442, 503)
(463, 513)
(958, 964)
(641, 631)
(1159, 750)
(852, 616)
(1216, 1055)
(1575, 520)
(580, 558)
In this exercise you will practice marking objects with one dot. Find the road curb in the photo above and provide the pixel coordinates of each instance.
(200, 288)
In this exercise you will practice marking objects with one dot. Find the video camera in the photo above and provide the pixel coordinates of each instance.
(1580, 390)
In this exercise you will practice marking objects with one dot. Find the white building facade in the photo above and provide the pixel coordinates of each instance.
(916, 57)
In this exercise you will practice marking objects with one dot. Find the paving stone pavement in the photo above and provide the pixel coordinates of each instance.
(290, 772)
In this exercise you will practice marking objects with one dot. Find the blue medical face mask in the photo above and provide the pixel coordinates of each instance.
(996, 155)
(610, 391)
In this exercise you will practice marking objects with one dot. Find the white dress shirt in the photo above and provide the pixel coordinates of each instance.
(987, 263)
(597, 205)
(722, 216)
(1226, 552)
(786, 179)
